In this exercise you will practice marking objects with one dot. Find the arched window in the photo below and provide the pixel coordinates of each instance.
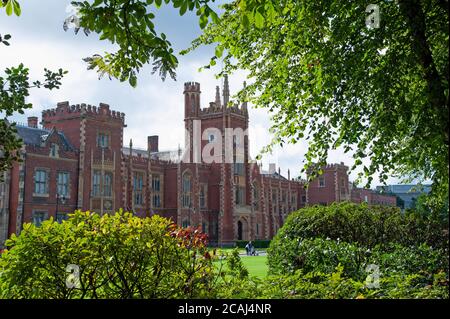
(186, 190)
(107, 184)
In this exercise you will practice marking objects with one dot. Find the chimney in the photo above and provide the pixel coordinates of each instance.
(32, 121)
(272, 168)
(152, 143)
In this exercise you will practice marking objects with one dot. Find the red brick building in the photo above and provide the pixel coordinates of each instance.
(77, 160)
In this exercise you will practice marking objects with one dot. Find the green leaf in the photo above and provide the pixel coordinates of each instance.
(17, 9)
(214, 17)
(219, 51)
(183, 8)
(9, 7)
(259, 20)
(203, 21)
(133, 81)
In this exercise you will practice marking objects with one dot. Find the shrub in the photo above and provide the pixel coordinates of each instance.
(118, 256)
(361, 225)
(318, 285)
(422, 259)
(321, 255)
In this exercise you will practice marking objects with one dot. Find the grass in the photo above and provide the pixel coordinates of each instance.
(256, 265)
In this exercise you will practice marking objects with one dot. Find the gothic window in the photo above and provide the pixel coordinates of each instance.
(156, 190)
(39, 217)
(342, 186)
(321, 181)
(240, 193)
(283, 196)
(107, 184)
(96, 183)
(103, 140)
(294, 200)
(156, 199)
(138, 185)
(63, 184)
(156, 183)
(275, 197)
(99, 185)
(186, 190)
(202, 195)
(41, 182)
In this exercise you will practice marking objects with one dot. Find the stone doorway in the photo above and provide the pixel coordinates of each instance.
(239, 229)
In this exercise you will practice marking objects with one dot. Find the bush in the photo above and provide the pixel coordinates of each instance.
(422, 259)
(361, 225)
(318, 285)
(322, 255)
(117, 256)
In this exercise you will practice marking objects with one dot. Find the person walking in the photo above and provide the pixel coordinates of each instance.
(248, 248)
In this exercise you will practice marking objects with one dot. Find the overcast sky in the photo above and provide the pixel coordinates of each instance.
(154, 107)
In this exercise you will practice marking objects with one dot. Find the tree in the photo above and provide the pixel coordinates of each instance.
(129, 24)
(333, 77)
(14, 89)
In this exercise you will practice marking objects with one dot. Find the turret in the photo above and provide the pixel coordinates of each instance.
(191, 99)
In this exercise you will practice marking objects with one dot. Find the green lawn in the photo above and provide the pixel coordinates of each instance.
(256, 265)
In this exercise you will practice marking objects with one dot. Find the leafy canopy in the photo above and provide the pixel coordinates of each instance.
(381, 94)
(130, 25)
(14, 89)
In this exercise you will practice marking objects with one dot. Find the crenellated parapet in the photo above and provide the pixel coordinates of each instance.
(335, 166)
(191, 87)
(215, 109)
(65, 110)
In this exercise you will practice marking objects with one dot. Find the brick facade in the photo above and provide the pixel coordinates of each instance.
(79, 153)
